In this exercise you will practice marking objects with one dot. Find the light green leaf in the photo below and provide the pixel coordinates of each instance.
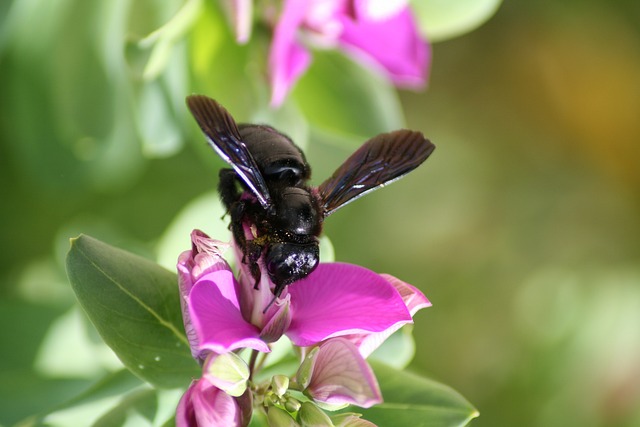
(93, 401)
(444, 19)
(204, 213)
(70, 349)
(228, 372)
(341, 97)
(157, 125)
(411, 400)
(113, 384)
(327, 253)
(398, 350)
(222, 69)
(134, 305)
(166, 36)
(137, 409)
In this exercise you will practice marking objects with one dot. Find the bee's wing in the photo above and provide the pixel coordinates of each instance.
(222, 134)
(380, 161)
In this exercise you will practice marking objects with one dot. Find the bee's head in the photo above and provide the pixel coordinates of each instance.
(287, 262)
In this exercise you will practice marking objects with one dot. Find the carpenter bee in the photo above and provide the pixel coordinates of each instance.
(283, 212)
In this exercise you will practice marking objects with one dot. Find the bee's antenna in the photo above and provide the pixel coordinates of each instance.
(276, 294)
(275, 297)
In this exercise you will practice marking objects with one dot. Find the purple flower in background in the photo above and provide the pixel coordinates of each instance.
(222, 314)
(240, 13)
(380, 33)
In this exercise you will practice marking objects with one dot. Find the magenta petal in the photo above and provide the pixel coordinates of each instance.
(414, 301)
(394, 43)
(205, 405)
(378, 9)
(350, 420)
(215, 315)
(341, 376)
(288, 59)
(242, 16)
(340, 299)
(278, 323)
(412, 296)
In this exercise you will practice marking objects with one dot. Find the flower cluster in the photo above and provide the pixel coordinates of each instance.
(334, 318)
(382, 34)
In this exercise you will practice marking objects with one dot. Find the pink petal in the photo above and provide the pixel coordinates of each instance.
(340, 299)
(412, 296)
(368, 343)
(185, 265)
(378, 9)
(394, 43)
(414, 301)
(278, 323)
(185, 284)
(216, 318)
(204, 257)
(288, 59)
(205, 405)
(350, 420)
(253, 302)
(242, 16)
(341, 376)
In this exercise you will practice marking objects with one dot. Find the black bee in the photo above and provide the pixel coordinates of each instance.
(286, 214)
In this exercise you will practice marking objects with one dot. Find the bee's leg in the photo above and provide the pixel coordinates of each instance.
(237, 211)
(251, 249)
(228, 189)
(254, 251)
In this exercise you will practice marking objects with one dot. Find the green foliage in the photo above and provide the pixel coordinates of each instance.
(133, 304)
(95, 99)
(445, 19)
(411, 400)
(343, 99)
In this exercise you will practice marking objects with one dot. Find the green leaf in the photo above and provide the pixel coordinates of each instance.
(222, 69)
(229, 372)
(94, 398)
(134, 305)
(341, 97)
(444, 19)
(113, 384)
(138, 408)
(204, 212)
(411, 400)
(163, 38)
(398, 350)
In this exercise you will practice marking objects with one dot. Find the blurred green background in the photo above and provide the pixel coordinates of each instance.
(523, 227)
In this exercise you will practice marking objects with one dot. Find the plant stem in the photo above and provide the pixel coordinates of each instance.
(252, 362)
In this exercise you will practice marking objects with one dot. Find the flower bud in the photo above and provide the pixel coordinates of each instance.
(292, 405)
(280, 418)
(312, 416)
(305, 371)
(280, 384)
(228, 372)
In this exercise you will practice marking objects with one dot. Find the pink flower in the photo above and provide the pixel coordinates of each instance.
(336, 374)
(414, 301)
(380, 33)
(208, 289)
(222, 314)
(203, 404)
